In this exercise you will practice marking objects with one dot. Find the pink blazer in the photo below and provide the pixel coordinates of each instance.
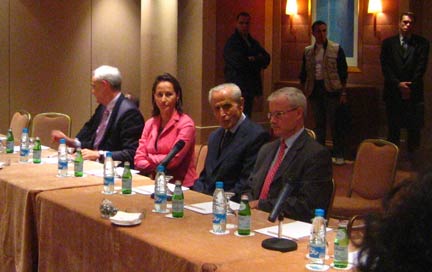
(149, 153)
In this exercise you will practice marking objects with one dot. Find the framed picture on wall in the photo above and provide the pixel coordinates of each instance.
(341, 17)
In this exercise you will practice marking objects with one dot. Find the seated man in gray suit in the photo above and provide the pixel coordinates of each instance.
(294, 158)
(233, 147)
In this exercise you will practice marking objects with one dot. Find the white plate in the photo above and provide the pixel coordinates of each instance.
(125, 223)
(317, 267)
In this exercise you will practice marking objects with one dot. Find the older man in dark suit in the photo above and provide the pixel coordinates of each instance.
(232, 148)
(404, 59)
(294, 158)
(115, 126)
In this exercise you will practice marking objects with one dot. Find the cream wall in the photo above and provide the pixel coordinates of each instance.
(49, 48)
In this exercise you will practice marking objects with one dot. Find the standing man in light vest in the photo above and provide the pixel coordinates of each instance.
(323, 76)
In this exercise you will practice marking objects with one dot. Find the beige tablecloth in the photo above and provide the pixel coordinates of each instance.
(19, 186)
(74, 237)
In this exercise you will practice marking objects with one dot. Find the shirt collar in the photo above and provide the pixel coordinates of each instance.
(289, 141)
(112, 103)
(234, 128)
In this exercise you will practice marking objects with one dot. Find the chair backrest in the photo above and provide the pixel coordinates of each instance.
(44, 123)
(196, 152)
(201, 159)
(311, 133)
(374, 169)
(331, 199)
(20, 119)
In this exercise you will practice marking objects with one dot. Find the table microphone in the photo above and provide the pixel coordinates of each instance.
(176, 149)
(280, 244)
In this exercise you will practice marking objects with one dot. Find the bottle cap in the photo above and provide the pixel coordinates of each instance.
(37, 139)
(178, 182)
(219, 184)
(319, 212)
(127, 163)
(244, 197)
(108, 154)
(160, 168)
(25, 130)
(62, 141)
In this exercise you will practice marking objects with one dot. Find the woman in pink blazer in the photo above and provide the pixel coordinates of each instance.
(167, 126)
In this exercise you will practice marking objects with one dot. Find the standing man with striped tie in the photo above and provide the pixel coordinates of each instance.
(115, 126)
(295, 158)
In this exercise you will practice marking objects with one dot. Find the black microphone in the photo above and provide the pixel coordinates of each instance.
(176, 149)
(286, 191)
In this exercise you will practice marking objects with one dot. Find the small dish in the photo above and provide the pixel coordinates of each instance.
(219, 233)
(250, 234)
(125, 223)
(317, 267)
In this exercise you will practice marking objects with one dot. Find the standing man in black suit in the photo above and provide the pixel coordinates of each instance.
(404, 59)
(232, 148)
(244, 59)
(294, 158)
(115, 126)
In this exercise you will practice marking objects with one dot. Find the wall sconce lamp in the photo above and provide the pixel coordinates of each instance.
(291, 10)
(375, 7)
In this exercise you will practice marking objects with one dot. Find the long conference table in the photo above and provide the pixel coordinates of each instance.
(54, 224)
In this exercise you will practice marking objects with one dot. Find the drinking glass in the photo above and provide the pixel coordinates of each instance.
(116, 164)
(31, 145)
(231, 214)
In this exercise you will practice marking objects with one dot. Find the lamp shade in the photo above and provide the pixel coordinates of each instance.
(291, 7)
(375, 6)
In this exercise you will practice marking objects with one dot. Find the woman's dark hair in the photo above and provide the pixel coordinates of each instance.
(400, 238)
(178, 90)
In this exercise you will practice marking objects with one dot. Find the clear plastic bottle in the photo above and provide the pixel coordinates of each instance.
(160, 195)
(244, 216)
(10, 142)
(24, 146)
(62, 159)
(178, 201)
(37, 151)
(317, 241)
(219, 209)
(78, 162)
(108, 174)
(127, 179)
(341, 246)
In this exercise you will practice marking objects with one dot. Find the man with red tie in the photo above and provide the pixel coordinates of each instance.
(293, 158)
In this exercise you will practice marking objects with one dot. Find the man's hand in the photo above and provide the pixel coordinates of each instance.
(89, 154)
(405, 89)
(253, 204)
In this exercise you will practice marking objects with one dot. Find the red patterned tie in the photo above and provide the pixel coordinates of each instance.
(271, 173)
(101, 129)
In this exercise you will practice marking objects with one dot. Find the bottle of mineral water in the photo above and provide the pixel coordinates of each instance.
(37, 151)
(127, 179)
(178, 201)
(62, 159)
(219, 209)
(78, 163)
(341, 246)
(317, 241)
(160, 194)
(10, 142)
(244, 216)
(24, 146)
(108, 174)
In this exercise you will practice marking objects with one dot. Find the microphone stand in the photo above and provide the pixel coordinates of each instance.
(279, 243)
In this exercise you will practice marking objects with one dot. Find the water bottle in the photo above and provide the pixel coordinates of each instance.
(341, 246)
(219, 209)
(10, 142)
(178, 201)
(24, 146)
(127, 179)
(160, 195)
(37, 151)
(78, 162)
(317, 241)
(62, 167)
(244, 216)
(109, 174)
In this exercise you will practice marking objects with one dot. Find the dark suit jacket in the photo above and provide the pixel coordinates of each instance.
(122, 133)
(239, 70)
(397, 66)
(235, 163)
(307, 166)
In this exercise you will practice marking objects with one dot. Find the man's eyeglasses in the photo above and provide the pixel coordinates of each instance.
(279, 114)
